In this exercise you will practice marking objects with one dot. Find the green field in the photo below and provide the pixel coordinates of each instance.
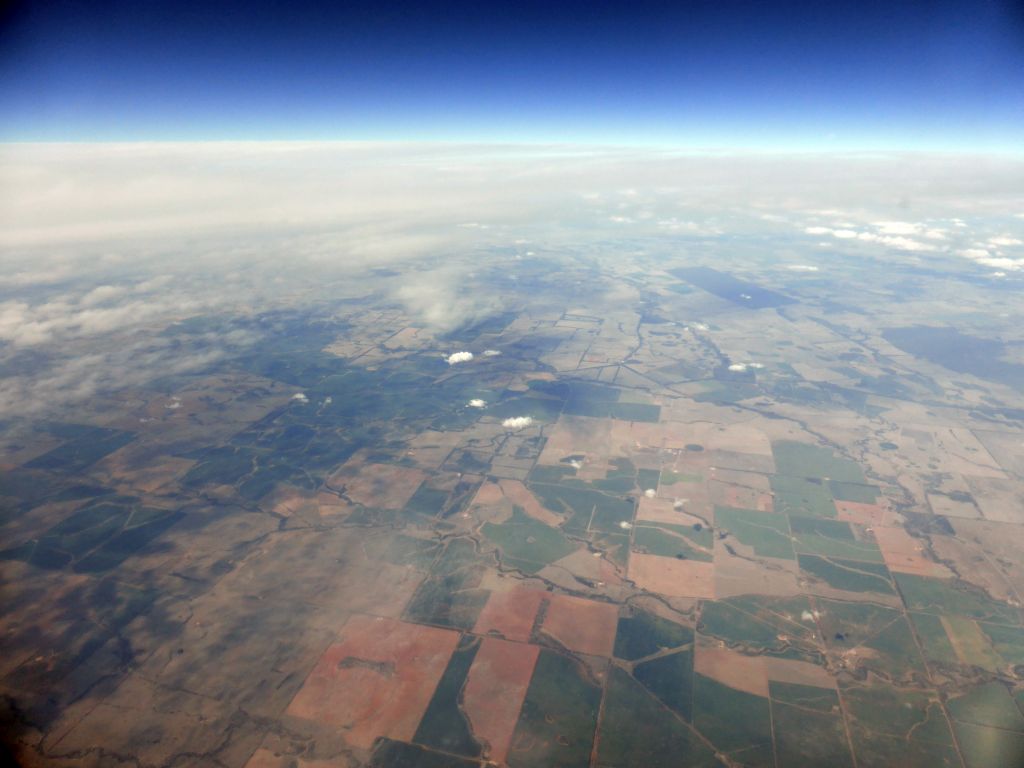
(800, 497)
(637, 730)
(526, 543)
(672, 541)
(736, 722)
(805, 460)
(670, 679)
(809, 737)
(766, 532)
(444, 726)
(804, 696)
(559, 715)
(948, 596)
(643, 634)
(831, 538)
(849, 575)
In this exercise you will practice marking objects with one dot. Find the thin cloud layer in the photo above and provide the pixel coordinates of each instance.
(103, 246)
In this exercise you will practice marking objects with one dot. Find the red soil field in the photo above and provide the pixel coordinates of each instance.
(495, 689)
(377, 680)
(510, 614)
(584, 626)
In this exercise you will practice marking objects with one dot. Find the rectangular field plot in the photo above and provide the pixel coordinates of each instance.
(848, 575)
(526, 543)
(810, 735)
(559, 716)
(767, 533)
(833, 538)
(680, 541)
(494, 692)
(377, 680)
(637, 730)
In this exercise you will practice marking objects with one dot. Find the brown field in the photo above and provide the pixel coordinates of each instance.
(740, 575)
(430, 449)
(971, 645)
(583, 564)
(584, 626)
(1000, 500)
(377, 680)
(975, 565)
(495, 688)
(660, 510)
(744, 673)
(669, 576)
(510, 613)
(864, 514)
(124, 470)
(519, 494)
(944, 505)
(905, 554)
(382, 486)
(745, 462)
(1001, 544)
(800, 672)
(1006, 447)
(294, 502)
(741, 496)
(577, 434)
(488, 494)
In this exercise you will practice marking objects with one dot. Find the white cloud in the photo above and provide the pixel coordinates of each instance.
(300, 398)
(650, 493)
(738, 367)
(477, 403)
(974, 253)
(459, 357)
(1004, 241)
(517, 422)
(802, 267)
(491, 352)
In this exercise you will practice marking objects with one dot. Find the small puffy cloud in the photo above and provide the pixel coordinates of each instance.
(844, 234)
(477, 403)
(650, 493)
(802, 267)
(459, 357)
(576, 464)
(300, 398)
(625, 525)
(738, 367)
(492, 352)
(517, 422)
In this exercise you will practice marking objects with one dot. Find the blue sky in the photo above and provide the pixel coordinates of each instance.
(758, 75)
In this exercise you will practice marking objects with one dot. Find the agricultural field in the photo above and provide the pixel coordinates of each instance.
(695, 529)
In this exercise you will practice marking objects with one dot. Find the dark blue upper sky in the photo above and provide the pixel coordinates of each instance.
(812, 75)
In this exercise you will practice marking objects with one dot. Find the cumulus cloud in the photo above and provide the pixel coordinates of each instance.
(738, 367)
(1004, 241)
(517, 422)
(477, 403)
(491, 352)
(300, 398)
(459, 357)
(650, 493)
(895, 241)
